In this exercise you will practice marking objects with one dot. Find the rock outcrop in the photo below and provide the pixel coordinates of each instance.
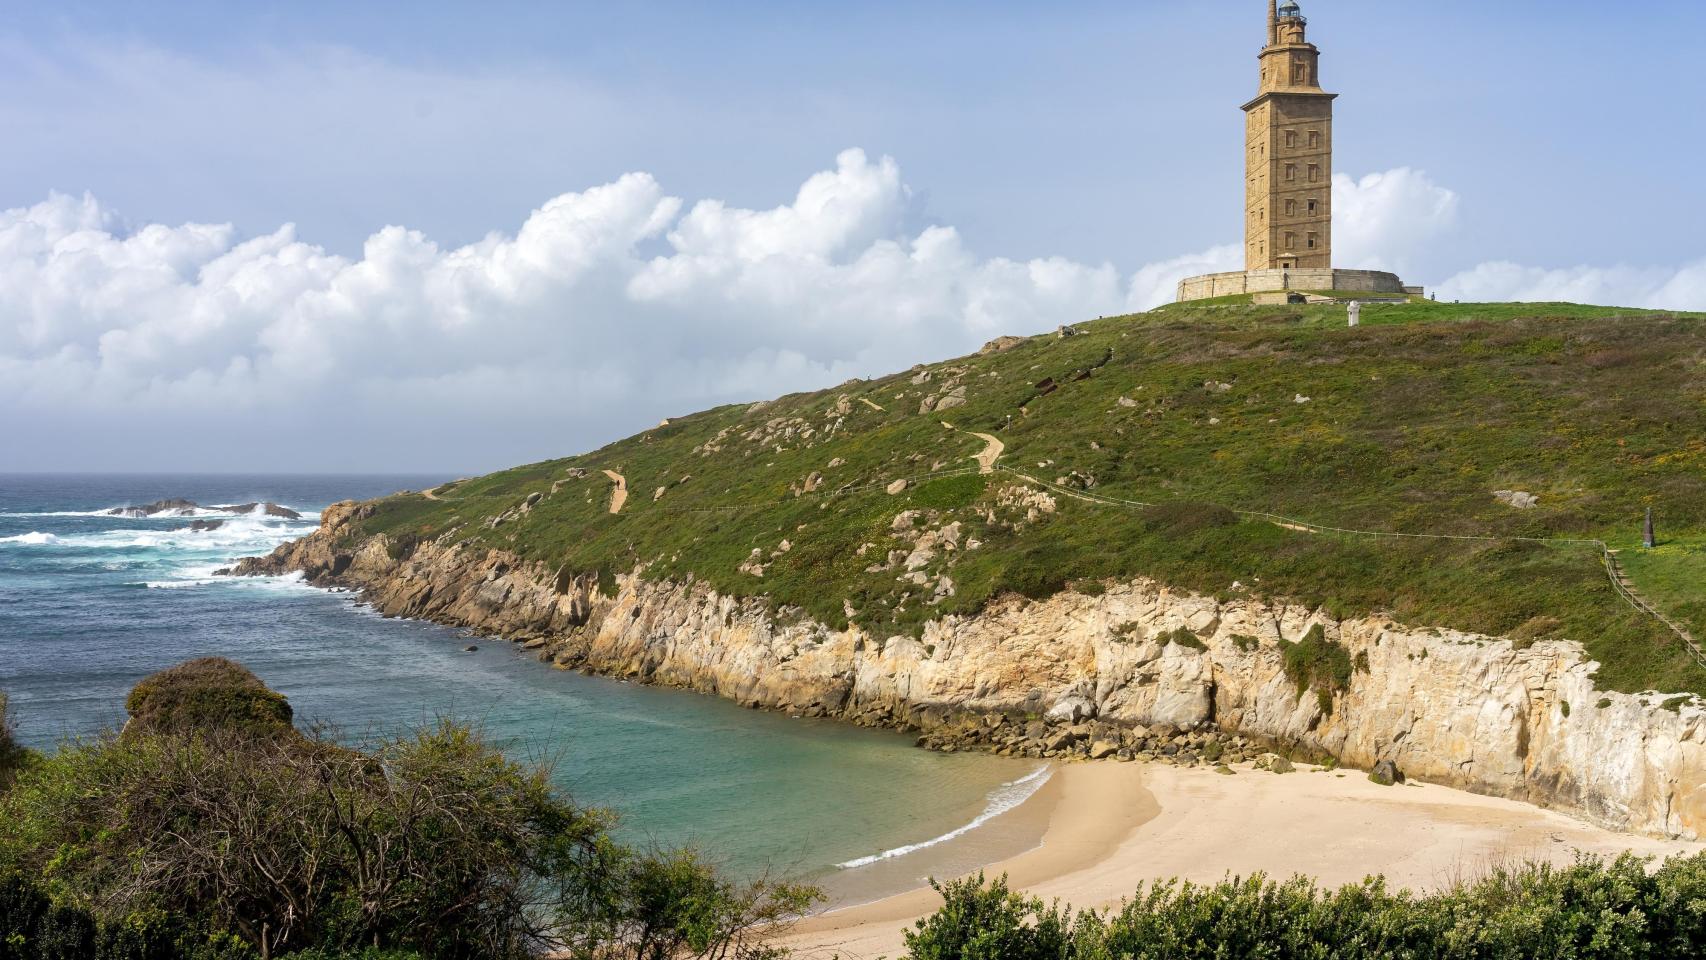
(179, 507)
(1469, 711)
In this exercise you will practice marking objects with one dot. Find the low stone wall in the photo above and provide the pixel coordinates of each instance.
(1266, 281)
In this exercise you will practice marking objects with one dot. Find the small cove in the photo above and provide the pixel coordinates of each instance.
(90, 603)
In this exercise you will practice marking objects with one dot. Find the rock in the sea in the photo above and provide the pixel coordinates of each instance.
(202, 526)
(470, 648)
(176, 506)
(1386, 773)
(268, 509)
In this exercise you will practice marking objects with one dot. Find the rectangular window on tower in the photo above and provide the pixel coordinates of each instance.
(1314, 173)
(1312, 241)
(1291, 208)
(1299, 73)
(1291, 241)
(1312, 207)
(1314, 138)
(1291, 171)
(1291, 138)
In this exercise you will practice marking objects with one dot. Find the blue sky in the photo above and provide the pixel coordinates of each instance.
(1546, 149)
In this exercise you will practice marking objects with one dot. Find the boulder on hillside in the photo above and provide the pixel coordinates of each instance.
(1518, 499)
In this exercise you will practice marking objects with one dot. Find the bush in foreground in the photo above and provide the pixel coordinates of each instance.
(206, 694)
(210, 832)
(1589, 910)
(13, 757)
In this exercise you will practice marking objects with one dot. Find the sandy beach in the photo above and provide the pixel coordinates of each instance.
(1108, 827)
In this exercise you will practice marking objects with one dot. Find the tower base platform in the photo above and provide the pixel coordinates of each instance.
(1300, 280)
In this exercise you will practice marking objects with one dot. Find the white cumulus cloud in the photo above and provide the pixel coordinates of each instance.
(181, 347)
(605, 310)
(1659, 288)
(1390, 221)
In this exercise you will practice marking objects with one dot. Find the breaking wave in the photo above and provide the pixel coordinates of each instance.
(31, 539)
(259, 510)
(1004, 798)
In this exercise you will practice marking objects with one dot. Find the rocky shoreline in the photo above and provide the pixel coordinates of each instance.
(1136, 672)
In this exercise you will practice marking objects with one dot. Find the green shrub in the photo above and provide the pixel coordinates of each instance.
(206, 694)
(1179, 519)
(234, 841)
(1318, 663)
(987, 921)
(1589, 910)
(33, 927)
(13, 757)
(948, 493)
(1184, 638)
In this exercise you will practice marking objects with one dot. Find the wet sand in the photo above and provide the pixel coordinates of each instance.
(1109, 827)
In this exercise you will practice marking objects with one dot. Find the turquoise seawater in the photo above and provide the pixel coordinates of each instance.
(90, 603)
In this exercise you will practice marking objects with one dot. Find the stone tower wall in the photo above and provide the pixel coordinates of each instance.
(1288, 215)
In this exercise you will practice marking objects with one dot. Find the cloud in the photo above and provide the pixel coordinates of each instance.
(1660, 288)
(192, 347)
(1390, 221)
(604, 311)
(1158, 283)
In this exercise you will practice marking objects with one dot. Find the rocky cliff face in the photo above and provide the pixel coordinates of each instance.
(1474, 712)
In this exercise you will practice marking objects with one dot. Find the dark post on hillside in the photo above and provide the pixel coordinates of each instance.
(1647, 532)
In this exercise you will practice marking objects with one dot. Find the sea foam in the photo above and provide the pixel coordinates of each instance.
(32, 539)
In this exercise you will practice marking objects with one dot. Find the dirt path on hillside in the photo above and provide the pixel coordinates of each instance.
(431, 493)
(618, 495)
(991, 452)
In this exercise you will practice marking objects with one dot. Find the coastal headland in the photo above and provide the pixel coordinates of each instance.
(1205, 536)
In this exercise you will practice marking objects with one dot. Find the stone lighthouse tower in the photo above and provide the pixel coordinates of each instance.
(1288, 207)
(1288, 184)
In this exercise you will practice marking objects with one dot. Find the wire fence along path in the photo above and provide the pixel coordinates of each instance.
(1613, 570)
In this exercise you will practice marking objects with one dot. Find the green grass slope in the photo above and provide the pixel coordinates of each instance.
(1407, 424)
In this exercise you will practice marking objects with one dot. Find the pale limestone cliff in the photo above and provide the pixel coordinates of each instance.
(1468, 711)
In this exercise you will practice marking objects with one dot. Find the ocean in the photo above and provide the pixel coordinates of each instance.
(91, 602)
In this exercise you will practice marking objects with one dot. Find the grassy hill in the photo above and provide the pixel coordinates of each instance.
(1170, 421)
